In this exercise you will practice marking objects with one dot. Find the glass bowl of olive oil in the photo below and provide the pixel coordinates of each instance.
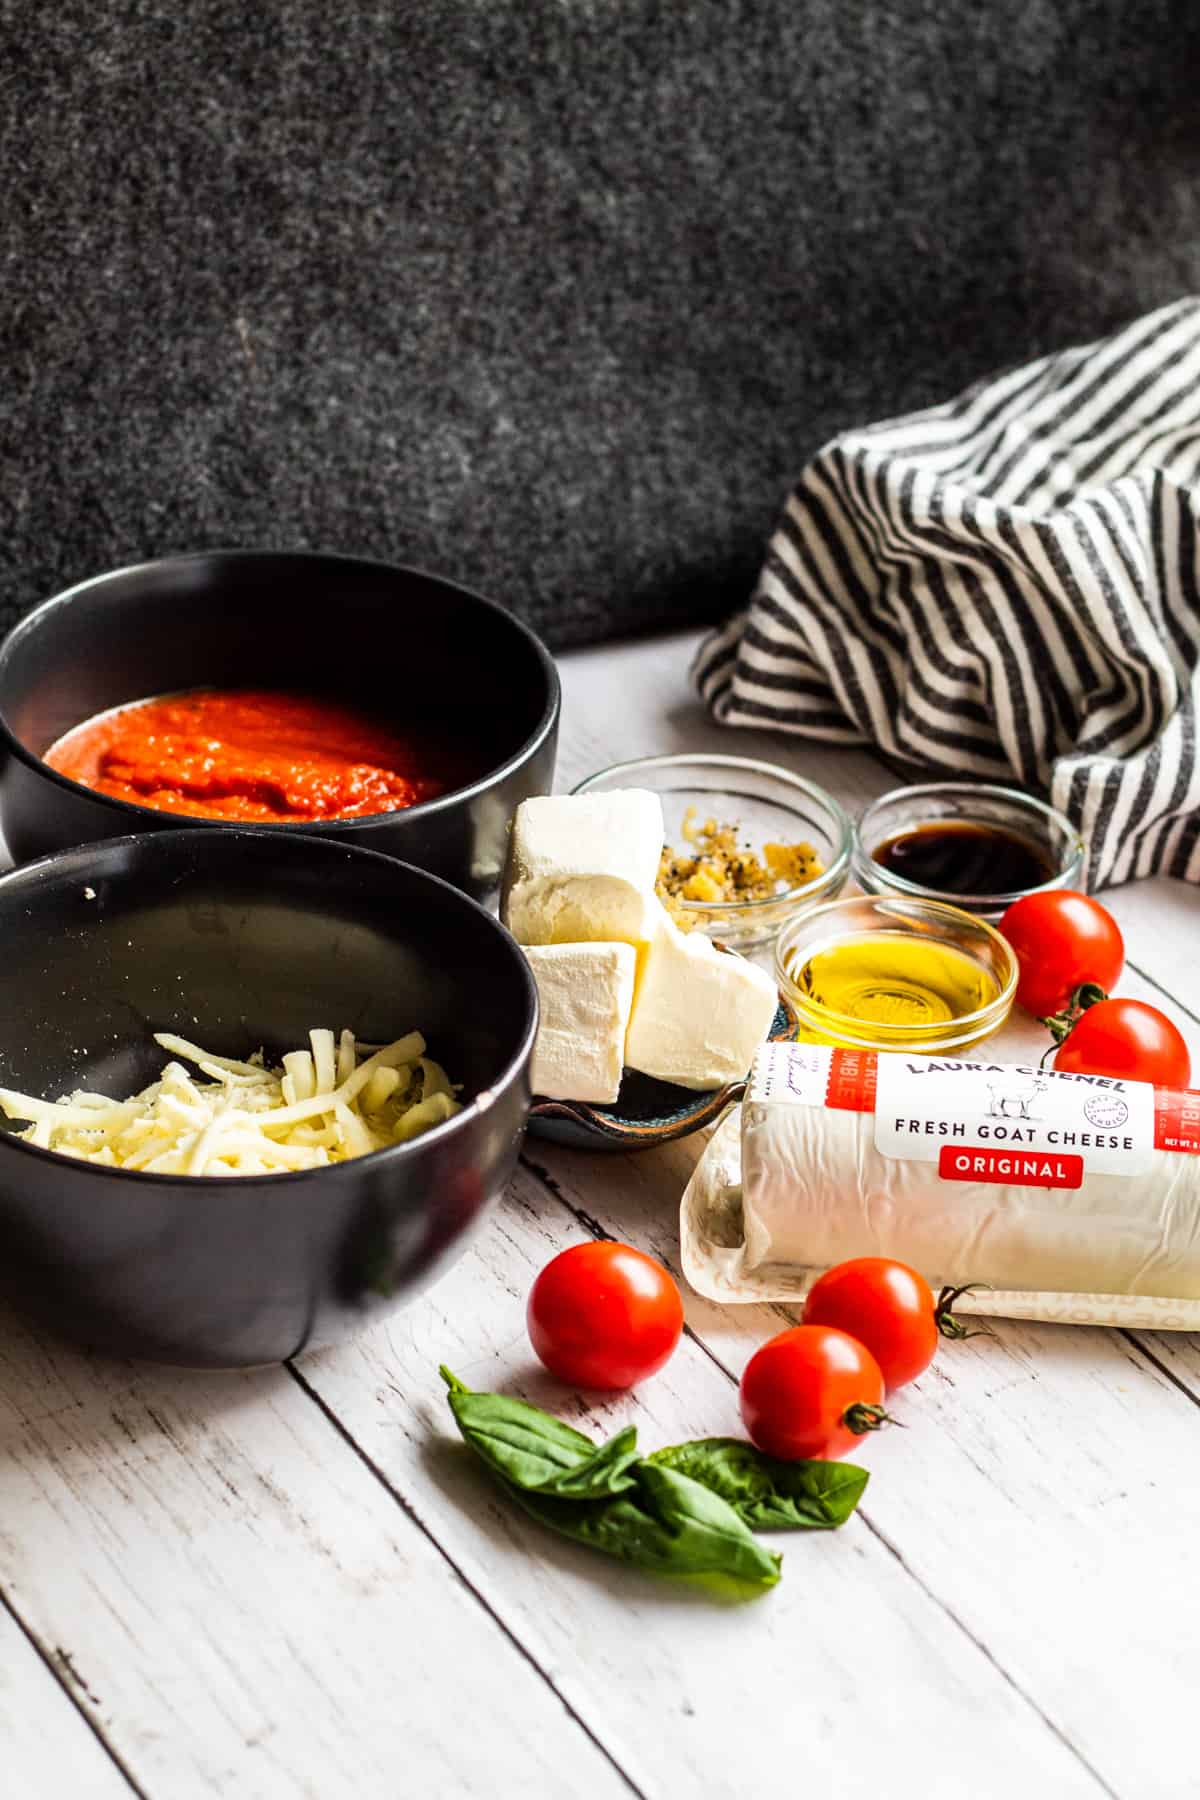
(877, 972)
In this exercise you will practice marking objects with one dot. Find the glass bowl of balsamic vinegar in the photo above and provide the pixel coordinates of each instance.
(970, 845)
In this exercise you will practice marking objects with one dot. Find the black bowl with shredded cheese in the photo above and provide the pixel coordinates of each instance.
(205, 1240)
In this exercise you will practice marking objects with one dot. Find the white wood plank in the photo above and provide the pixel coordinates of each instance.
(253, 1615)
(634, 699)
(1178, 1353)
(1043, 1448)
(247, 1609)
(1160, 920)
(1020, 1494)
(846, 1675)
(47, 1748)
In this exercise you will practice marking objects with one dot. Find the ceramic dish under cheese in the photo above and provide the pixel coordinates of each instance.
(646, 1112)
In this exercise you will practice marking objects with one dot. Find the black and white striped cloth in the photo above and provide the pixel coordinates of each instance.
(1007, 586)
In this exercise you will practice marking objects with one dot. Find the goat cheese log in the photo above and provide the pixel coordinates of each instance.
(1039, 1183)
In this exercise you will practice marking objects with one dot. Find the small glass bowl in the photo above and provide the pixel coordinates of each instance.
(766, 804)
(965, 803)
(886, 918)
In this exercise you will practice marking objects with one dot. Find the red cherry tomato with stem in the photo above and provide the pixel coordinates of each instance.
(811, 1392)
(1062, 940)
(888, 1307)
(1127, 1039)
(604, 1315)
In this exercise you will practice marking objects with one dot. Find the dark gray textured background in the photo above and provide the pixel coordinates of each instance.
(552, 295)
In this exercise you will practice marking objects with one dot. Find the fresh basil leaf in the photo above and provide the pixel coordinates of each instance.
(649, 1514)
(608, 1471)
(708, 1535)
(669, 1526)
(768, 1495)
(536, 1452)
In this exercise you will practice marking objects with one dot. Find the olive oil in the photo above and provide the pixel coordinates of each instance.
(894, 980)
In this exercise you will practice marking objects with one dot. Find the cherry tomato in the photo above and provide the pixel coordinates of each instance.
(885, 1305)
(1126, 1038)
(604, 1316)
(1062, 940)
(811, 1391)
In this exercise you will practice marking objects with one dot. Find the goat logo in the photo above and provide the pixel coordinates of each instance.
(1013, 1099)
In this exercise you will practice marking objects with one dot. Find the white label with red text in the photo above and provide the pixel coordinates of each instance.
(796, 1072)
(1005, 1122)
(984, 1121)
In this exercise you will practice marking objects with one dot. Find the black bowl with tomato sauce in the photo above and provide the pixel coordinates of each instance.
(240, 940)
(470, 689)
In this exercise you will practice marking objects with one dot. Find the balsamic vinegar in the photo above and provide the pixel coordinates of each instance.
(964, 859)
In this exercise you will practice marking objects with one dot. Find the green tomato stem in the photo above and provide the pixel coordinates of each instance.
(1060, 1025)
(943, 1317)
(863, 1417)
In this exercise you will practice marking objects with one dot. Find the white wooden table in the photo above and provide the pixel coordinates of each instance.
(297, 1582)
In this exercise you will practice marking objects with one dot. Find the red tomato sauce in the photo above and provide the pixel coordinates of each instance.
(246, 754)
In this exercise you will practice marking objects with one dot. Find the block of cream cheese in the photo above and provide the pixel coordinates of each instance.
(585, 992)
(1074, 1196)
(582, 867)
(699, 1014)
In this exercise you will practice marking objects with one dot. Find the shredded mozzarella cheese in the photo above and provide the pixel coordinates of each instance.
(323, 1106)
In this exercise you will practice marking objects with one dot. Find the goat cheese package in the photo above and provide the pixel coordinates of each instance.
(582, 867)
(1073, 1196)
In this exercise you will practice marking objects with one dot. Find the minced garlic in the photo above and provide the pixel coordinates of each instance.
(717, 869)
